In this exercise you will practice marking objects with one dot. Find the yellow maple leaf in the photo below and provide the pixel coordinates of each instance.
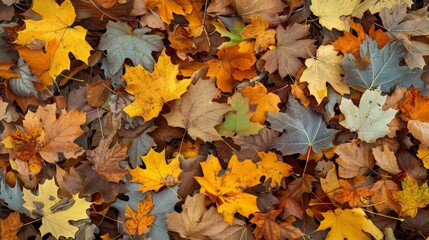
(56, 25)
(140, 220)
(225, 186)
(166, 8)
(412, 197)
(326, 68)
(55, 212)
(330, 11)
(264, 101)
(271, 167)
(259, 31)
(154, 89)
(350, 224)
(157, 173)
(423, 154)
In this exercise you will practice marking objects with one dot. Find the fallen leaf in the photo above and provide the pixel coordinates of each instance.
(412, 197)
(350, 224)
(291, 46)
(383, 199)
(226, 190)
(271, 167)
(330, 11)
(197, 113)
(414, 106)
(56, 24)
(168, 7)
(139, 221)
(368, 120)
(353, 195)
(157, 172)
(249, 8)
(6, 72)
(10, 226)
(386, 159)
(419, 129)
(161, 86)
(264, 101)
(354, 160)
(259, 31)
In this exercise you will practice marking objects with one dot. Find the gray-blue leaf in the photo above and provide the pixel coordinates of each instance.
(303, 127)
(12, 196)
(134, 196)
(380, 67)
(23, 86)
(140, 146)
(121, 43)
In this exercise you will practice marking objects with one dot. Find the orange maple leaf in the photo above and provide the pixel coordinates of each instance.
(10, 226)
(352, 194)
(231, 65)
(139, 221)
(415, 106)
(259, 31)
(166, 8)
(264, 101)
(6, 72)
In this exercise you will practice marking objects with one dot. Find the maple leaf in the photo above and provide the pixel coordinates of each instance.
(379, 67)
(249, 8)
(414, 106)
(419, 129)
(412, 197)
(195, 221)
(166, 8)
(157, 172)
(161, 86)
(226, 190)
(350, 224)
(353, 160)
(325, 68)
(289, 49)
(122, 42)
(56, 25)
(197, 113)
(264, 101)
(330, 11)
(233, 34)
(423, 154)
(106, 160)
(368, 120)
(271, 167)
(237, 120)
(250, 145)
(6, 72)
(10, 226)
(353, 195)
(232, 64)
(386, 159)
(383, 199)
(55, 212)
(269, 228)
(140, 220)
(304, 129)
(259, 31)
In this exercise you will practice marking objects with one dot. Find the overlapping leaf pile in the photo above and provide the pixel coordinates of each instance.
(221, 119)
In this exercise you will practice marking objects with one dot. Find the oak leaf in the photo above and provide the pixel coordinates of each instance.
(56, 24)
(139, 221)
(226, 190)
(414, 106)
(232, 65)
(195, 221)
(259, 31)
(268, 227)
(289, 49)
(353, 195)
(157, 172)
(56, 213)
(412, 197)
(10, 226)
(368, 120)
(330, 11)
(197, 113)
(383, 199)
(264, 101)
(271, 167)
(324, 68)
(350, 224)
(160, 86)
(237, 120)
(106, 160)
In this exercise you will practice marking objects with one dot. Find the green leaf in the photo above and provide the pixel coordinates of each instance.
(237, 120)
(234, 26)
(164, 202)
(121, 42)
(368, 120)
(303, 127)
(380, 67)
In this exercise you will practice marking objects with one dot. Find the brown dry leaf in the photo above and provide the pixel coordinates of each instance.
(395, 98)
(107, 3)
(195, 221)
(259, 31)
(354, 160)
(415, 106)
(106, 160)
(97, 92)
(330, 183)
(386, 159)
(352, 195)
(268, 227)
(197, 113)
(419, 130)
(382, 199)
(10, 226)
(291, 46)
(232, 64)
(139, 221)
